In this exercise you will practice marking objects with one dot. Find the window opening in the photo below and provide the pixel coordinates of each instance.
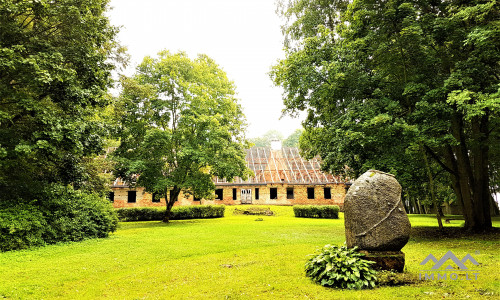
(273, 193)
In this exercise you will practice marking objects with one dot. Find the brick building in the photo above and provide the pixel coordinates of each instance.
(282, 177)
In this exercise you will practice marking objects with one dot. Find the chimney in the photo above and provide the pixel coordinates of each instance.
(275, 144)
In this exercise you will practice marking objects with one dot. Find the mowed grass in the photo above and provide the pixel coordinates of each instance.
(235, 257)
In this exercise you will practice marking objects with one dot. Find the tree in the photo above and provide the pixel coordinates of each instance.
(265, 140)
(181, 126)
(390, 78)
(293, 139)
(55, 64)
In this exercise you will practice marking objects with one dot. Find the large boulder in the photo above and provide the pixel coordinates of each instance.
(374, 216)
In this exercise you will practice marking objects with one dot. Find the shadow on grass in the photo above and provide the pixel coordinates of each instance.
(433, 233)
(150, 224)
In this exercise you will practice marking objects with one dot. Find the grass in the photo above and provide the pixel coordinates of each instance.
(234, 257)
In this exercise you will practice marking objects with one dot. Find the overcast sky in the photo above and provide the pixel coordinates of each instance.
(243, 36)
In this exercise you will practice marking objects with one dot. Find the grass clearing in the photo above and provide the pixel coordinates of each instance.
(234, 257)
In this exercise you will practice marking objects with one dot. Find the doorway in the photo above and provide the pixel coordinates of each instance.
(246, 196)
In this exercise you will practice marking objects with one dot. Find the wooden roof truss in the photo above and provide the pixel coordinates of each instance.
(281, 166)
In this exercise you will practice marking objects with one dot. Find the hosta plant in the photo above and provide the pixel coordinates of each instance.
(341, 267)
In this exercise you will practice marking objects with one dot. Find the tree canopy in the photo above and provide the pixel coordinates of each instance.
(181, 125)
(55, 64)
(387, 82)
(56, 59)
(293, 139)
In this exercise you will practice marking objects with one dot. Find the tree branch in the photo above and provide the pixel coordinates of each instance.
(438, 160)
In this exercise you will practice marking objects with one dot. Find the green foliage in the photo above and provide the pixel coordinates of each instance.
(21, 226)
(61, 215)
(74, 215)
(341, 267)
(265, 140)
(178, 213)
(293, 139)
(316, 211)
(55, 68)
(383, 82)
(181, 125)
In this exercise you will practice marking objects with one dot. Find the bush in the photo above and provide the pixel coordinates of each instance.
(341, 267)
(316, 211)
(61, 215)
(140, 214)
(177, 213)
(75, 215)
(21, 227)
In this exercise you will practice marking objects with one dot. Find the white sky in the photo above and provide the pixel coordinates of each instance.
(242, 36)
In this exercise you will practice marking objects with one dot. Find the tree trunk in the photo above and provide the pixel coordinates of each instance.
(481, 196)
(420, 208)
(434, 200)
(170, 203)
(463, 174)
(415, 206)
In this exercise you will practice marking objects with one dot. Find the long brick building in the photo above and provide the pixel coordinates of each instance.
(281, 177)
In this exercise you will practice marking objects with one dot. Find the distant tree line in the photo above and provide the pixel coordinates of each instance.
(265, 140)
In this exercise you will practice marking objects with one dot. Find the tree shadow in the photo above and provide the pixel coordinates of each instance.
(433, 233)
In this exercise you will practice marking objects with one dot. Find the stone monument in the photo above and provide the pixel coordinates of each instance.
(376, 221)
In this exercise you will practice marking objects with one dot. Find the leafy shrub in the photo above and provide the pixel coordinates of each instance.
(61, 214)
(316, 211)
(177, 213)
(341, 267)
(74, 215)
(140, 214)
(21, 227)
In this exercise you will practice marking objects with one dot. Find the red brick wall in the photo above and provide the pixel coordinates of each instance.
(300, 196)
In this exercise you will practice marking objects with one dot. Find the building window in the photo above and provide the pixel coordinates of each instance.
(328, 193)
(235, 194)
(171, 195)
(274, 193)
(310, 193)
(219, 194)
(289, 193)
(111, 196)
(256, 193)
(156, 197)
(131, 196)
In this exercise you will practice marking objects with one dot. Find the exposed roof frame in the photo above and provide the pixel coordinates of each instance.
(290, 167)
(304, 165)
(270, 172)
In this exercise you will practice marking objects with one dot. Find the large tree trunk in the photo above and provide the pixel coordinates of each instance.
(463, 174)
(170, 202)
(481, 197)
(470, 176)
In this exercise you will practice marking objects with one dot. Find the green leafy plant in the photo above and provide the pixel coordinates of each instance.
(61, 214)
(341, 267)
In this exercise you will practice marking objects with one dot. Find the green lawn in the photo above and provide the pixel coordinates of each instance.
(235, 257)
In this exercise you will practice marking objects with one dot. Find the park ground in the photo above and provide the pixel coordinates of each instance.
(235, 257)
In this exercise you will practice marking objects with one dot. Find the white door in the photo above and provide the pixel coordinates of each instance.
(246, 196)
